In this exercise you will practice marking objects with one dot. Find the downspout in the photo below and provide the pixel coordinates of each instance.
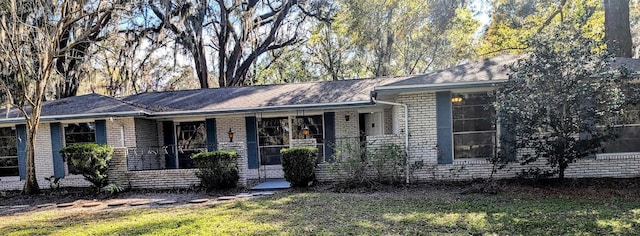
(406, 130)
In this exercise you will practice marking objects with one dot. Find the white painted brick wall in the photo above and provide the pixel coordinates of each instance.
(121, 132)
(388, 120)
(43, 155)
(146, 133)
(422, 126)
(237, 125)
(344, 128)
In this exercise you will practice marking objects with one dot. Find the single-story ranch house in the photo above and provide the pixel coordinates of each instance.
(441, 117)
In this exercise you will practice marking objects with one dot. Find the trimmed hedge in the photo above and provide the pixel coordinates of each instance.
(217, 169)
(91, 160)
(299, 165)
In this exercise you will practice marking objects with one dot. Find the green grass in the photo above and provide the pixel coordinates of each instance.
(334, 213)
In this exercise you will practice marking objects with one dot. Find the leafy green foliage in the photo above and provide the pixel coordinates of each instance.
(389, 163)
(400, 37)
(91, 160)
(515, 23)
(357, 164)
(112, 188)
(299, 165)
(217, 169)
(349, 165)
(54, 182)
(561, 100)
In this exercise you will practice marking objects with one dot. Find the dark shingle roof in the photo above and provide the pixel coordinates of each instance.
(484, 70)
(343, 91)
(80, 105)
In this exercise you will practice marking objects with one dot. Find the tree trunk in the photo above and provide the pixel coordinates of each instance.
(562, 166)
(201, 64)
(68, 87)
(31, 183)
(616, 27)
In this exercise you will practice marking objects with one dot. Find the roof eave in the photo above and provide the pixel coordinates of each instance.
(261, 109)
(21, 120)
(436, 87)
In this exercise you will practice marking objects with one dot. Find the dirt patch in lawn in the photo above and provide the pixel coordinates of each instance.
(84, 199)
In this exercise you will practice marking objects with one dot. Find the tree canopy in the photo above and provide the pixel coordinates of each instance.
(43, 43)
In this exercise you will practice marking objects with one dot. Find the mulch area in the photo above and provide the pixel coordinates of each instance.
(583, 188)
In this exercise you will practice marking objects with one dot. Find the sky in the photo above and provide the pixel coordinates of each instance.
(482, 12)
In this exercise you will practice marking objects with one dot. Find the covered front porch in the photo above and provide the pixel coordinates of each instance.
(166, 145)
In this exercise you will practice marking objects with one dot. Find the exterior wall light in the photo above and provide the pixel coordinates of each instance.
(230, 133)
(305, 131)
(456, 99)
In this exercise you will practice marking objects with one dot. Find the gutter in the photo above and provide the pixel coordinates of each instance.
(406, 130)
(77, 116)
(261, 109)
(432, 87)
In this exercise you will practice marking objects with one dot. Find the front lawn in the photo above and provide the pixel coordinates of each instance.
(403, 213)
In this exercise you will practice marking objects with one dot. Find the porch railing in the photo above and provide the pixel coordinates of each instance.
(155, 157)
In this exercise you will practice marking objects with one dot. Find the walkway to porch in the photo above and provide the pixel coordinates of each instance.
(272, 184)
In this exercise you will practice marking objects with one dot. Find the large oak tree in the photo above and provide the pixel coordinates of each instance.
(37, 39)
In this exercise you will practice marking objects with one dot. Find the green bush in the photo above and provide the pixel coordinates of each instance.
(299, 165)
(362, 164)
(90, 160)
(218, 169)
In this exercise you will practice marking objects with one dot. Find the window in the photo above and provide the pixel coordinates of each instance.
(273, 134)
(79, 133)
(191, 139)
(75, 133)
(474, 125)
(314, 123)
(8, 152)
(628, 133)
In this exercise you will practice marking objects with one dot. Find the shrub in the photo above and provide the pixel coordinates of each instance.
(218, 169)
(54, 182)
(389, 163)
(90, 160)
(357, 164)
(299, 165)
(349, 163)
(112, 189)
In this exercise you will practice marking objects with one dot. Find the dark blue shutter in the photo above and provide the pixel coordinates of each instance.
(21, 142)
(212, 142)
(101, 132)
(252, 142)
(444, 128)
(329, 135)
(170, 141)
(56, 146)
